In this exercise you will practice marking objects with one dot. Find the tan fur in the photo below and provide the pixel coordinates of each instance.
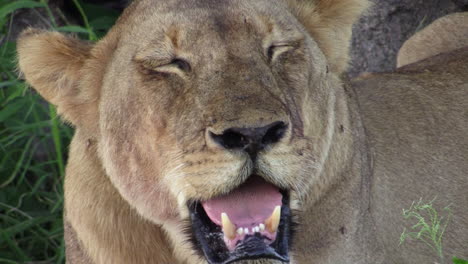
(445, 34)
(142, 147)
(330, 23)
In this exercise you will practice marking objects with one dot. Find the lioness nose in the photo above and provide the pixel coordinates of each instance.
(251, 140)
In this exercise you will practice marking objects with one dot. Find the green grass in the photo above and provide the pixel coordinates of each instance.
(428, 228)
(33, 146)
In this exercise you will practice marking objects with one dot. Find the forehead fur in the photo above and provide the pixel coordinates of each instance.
(328, 22)
(220, 17)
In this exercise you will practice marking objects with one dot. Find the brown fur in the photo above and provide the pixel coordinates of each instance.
(142, 150)
(445, 34)
(330, 23)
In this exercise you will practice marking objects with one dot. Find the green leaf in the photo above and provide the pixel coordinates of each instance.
(73, 29)
(4, 2)
(103, 23)
(459, 261)
(9, 8)
(18, 90)
(8, 83)
(10, 109)
(94, 11)
(20, 227)
(8, 58)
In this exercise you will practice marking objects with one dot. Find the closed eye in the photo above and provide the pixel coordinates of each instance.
(177, 66)
(182, 64)
(274, 51)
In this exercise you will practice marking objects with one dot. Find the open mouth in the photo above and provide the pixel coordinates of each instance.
(251, 222)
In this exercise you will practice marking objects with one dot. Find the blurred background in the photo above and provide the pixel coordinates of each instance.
(34, 141)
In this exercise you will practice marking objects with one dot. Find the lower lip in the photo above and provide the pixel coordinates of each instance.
(232, 243)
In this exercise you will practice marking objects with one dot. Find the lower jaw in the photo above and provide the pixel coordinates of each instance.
(208, 239)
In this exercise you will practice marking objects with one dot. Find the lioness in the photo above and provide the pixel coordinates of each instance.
(220, 132)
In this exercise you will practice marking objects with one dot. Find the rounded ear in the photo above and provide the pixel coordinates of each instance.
(443, 35)
(330, 23)
(53, 64)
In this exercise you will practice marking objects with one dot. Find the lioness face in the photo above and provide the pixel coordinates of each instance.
(212, 116)
(213, 119)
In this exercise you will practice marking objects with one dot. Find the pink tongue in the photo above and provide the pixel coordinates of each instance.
(247, 206)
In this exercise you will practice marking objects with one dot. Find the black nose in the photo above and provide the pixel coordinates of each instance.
(251, 140)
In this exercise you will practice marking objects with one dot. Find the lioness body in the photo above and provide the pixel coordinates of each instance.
(415, 121)
(149, 99)
(447, 33)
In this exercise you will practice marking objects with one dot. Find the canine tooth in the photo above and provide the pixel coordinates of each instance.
(229, 228)
(273, 221)
(246, 230)
(240, 231)
(262, 227)
(257, 229)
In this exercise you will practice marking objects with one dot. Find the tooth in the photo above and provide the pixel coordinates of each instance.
(240, 231)
(257, 229)
(273, 221)
(262, 227)
(229, 228)
(246, 230)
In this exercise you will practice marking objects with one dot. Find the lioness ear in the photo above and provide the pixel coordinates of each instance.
(330, 22)
(53, 64)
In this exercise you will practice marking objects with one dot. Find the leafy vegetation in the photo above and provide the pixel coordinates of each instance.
(429, 228)
(33, 145)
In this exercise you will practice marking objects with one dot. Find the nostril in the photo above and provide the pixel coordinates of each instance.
(274, 133)
(250, 139)
(230, 139)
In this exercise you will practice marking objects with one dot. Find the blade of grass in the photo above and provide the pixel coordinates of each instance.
(49, 13)
(6, 261)
(23, 225)
(10, 110)
(27, 164)
(9, 8)
(61, 256)
(20, 88)
(57, 140)
(14, 247)
(18, 164)
(92, 36)
(459, 261)
(73, 29)
(8, 83)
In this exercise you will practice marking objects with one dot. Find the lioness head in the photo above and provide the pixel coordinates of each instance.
(212, 115)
